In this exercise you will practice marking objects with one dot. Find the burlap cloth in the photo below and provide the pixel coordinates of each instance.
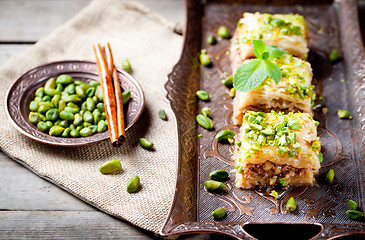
(148, 41)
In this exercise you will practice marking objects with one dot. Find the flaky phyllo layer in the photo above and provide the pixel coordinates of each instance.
(274, 148)
(286, 31)
(294, 92)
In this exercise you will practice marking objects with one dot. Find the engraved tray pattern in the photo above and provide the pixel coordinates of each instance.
(23, 89)
(331, 25)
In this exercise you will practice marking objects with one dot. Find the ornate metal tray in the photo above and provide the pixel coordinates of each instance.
(253, 214)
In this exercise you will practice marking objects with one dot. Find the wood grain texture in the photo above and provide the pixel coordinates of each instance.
(66, 225)
(31, 20)
(22, 190)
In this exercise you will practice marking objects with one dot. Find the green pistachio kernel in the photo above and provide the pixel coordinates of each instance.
(204, 58)
(268, 131)
(85, 132)
(344, 114)
(228, 82)
(291, 205)
(213, 186)
(42, 126)
(320, 157)
(232, 92)
(56, 130)
(333, 57)
(39, 92)
(133, 184)
(162, 115)
(330, 175)
(206, 112)
(316, 145)
(211, 39)
(282, 182)
(126, 65)
(102, 125)
(274, 194)
(203, 95)
(255, 127)
(64, 79)
(110, 166)
(33, 106)
(223, 32)
(126, 96)
(219, 175)
(282, 150)
(224, 135)
(353, 205)
(34, 118)
(353, 214)
(204, 121)
(294, 124)
(219, 213)
(146, 144)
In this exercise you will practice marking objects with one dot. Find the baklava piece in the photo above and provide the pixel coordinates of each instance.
(276, 149)
(294, 92)
(286, 31)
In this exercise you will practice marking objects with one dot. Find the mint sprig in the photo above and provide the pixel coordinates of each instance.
(253, 72)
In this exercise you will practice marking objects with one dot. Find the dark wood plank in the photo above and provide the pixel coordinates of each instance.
(66, 225)
(23, 190)
(25, 20)
(9, 50)
(31, 20)
(76, 225)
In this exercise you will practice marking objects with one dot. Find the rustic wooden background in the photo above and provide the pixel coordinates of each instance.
(30, 207)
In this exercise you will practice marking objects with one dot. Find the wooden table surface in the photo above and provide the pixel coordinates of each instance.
(30, 207)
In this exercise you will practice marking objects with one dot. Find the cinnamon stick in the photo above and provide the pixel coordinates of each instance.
(117, 93)
(108, 95)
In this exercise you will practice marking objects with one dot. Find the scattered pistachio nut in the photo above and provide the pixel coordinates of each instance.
(291, 205)
(211, 39)
(126, 65)
(162, 114)
(133, 184)
(219, 213)
(333, 57)
(126, 96)
(352, 204)
(232, 92)
(228, 82)
(203, 95)
(344, 114)
(223, 32)
(330, 175)
(110, 166)
(353, 214)
(146, 144)
(204, 121)
(219, 175)
(224, 135)
(282, 182)
(204, 58)
(213, 186)
(206, 112)
(320, 157)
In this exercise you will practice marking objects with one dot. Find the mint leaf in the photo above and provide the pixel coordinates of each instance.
(259, 47)
(273, 71)
(250, 75)
(253, 72)
(275, 52)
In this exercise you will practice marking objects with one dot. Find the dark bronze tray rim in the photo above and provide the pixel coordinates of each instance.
(355, 53)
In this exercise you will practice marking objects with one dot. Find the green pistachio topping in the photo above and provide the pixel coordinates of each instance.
(280, 131)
